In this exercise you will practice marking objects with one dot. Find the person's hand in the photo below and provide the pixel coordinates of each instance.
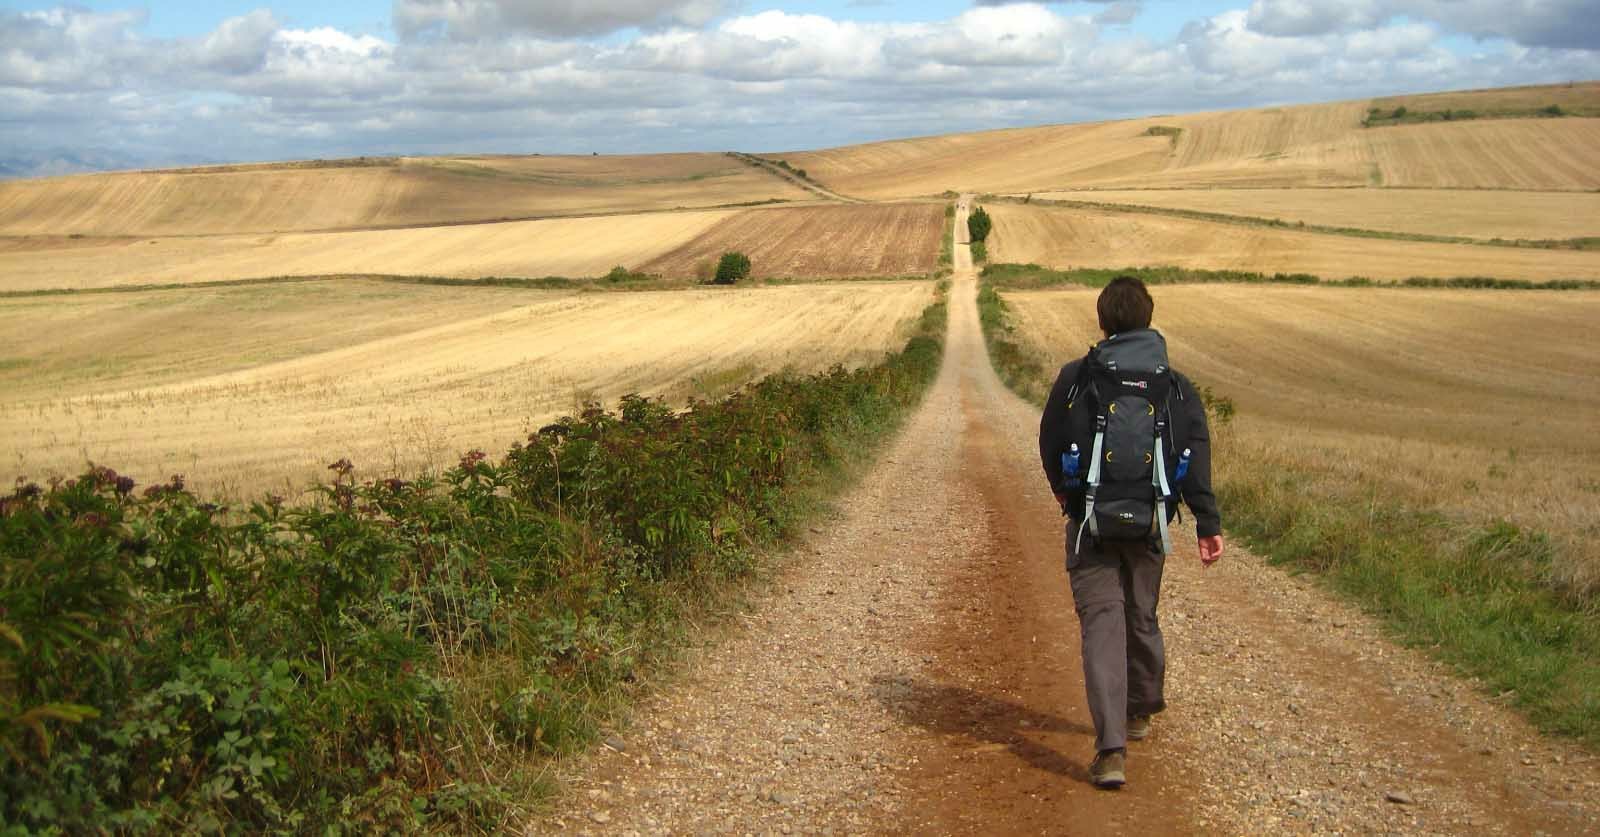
(1210, 550)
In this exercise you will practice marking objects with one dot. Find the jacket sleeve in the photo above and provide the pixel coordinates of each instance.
(1053, 425)
(1196, 486)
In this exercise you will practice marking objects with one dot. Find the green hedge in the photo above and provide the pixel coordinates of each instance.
(366, 659)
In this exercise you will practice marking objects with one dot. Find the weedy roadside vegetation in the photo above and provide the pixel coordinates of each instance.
(396, 654)
(948, 242)
(1504, 602)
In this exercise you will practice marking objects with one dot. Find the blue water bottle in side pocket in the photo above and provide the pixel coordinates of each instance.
(1183, 466)
(1069, 467)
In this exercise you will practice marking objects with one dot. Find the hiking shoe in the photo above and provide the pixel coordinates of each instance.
(1107, 770)
(1138, 727)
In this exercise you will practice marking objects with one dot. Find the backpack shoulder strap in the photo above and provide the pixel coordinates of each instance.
(1080, 383)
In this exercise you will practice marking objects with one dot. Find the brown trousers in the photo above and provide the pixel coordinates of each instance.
(1115, 588)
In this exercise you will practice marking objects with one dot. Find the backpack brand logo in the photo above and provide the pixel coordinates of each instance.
(1137, 384)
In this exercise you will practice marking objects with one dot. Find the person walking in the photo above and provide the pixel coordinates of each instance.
(1123, 439)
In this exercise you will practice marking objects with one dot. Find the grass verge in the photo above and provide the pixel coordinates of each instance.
(947, 243)
(396, 655)
(1476, 595)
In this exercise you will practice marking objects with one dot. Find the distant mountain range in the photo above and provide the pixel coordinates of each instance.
(54, 162)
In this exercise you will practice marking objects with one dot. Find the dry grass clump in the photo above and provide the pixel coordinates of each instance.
(1479, 403)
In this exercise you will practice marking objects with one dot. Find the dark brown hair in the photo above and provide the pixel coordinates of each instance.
(1124, 305)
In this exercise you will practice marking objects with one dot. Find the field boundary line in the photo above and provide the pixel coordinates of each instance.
(532, 283)
(803, 182)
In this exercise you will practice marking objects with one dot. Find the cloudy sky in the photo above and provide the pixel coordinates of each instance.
(109, 83)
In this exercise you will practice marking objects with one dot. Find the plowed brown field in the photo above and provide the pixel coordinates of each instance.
(1061, 237)
(1469, 214)
(824, 241)
(248, 388)
(403, 192)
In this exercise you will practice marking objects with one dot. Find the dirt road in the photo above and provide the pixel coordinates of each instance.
(914, 669)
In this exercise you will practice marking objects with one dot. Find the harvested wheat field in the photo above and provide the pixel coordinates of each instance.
(1466, 214)
(248, 388)
(1315, 145)
(1290, 147)
(1063, 237)
(1434, 392)
(572, 247)
(1489, 154)
(1009, 160)
(376, 193)
(821, 241)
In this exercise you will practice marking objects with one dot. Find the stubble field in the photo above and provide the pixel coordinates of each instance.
(573, 247)
(1480, 403)
(245, 389)
(376, 193)
(1282, 148)
(1065, 237)
(1481, 215)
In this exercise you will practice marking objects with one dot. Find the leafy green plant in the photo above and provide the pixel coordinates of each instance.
(978, 225)
(732, 267)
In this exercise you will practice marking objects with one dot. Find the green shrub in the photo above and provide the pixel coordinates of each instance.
(620, 274)
(978, 225)
(732, 267)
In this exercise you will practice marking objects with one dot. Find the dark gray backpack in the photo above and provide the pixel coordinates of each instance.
(1118, 411)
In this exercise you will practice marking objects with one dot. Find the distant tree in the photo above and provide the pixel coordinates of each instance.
(1399, 112)
(733, 267)
(1555, 110)
(978, 225)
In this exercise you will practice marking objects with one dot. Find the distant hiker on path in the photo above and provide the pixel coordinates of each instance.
(1123, 439)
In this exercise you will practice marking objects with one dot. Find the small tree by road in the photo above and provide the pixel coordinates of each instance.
(733, 267)
(978, 225)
